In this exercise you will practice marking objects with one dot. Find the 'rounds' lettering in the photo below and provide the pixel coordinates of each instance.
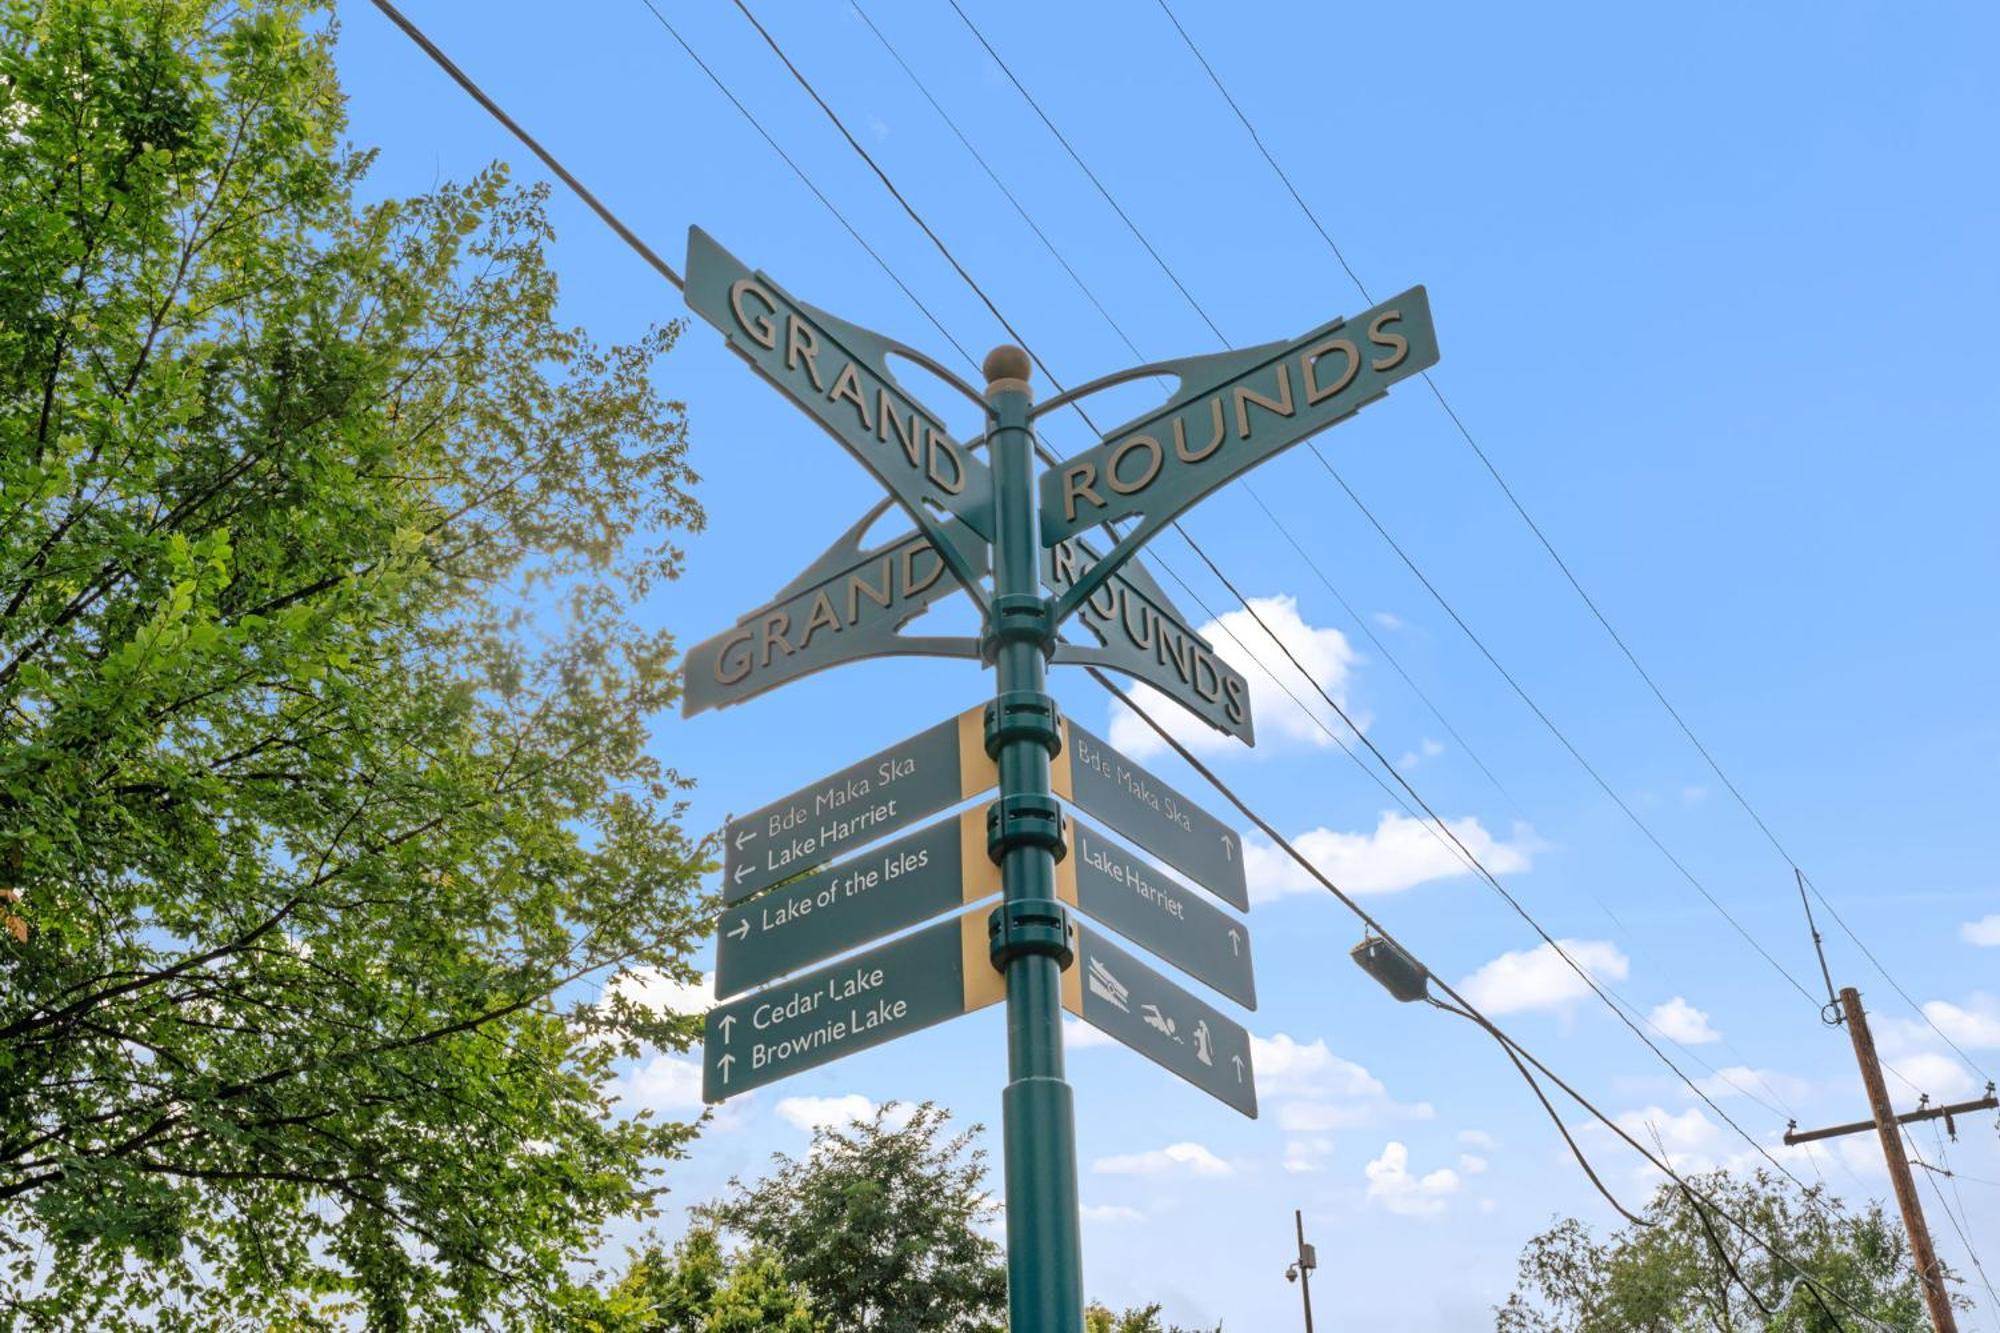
(1117, 483)
(1382, 338)
(1309, 363)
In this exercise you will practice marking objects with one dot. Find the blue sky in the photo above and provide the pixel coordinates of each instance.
(1712, 288)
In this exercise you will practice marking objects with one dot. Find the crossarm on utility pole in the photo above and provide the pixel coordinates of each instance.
(1987, 1103)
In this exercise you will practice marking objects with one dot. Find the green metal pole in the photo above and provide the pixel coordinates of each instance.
(1032, 939)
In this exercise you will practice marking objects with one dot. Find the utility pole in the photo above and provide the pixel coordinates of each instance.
(1887, 1125)
(1303, 1266)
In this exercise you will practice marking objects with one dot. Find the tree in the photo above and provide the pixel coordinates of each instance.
(698, 1288)
(324, 768)
(1138, 1319)
(1692, 1270)
(878, 1223)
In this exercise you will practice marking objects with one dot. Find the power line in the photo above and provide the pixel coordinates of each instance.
(1262, 824)
(1541, 537)
(1196, 305)
(1471, 858)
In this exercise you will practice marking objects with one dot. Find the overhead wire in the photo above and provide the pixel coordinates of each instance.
(1293, 852)
(1546, 544)
(1596, 987)
(1195, 304)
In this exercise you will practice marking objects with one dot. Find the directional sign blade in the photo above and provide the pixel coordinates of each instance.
(839, 374)
(1141, 633)
(1156, 912)
(864, 898)
(1117, 994)
(939, 972)
(1231, 412)
(883, 794)
(847, 605)
(1149, 812)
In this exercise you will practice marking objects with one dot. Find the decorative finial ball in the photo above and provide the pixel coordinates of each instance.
(1006, 362)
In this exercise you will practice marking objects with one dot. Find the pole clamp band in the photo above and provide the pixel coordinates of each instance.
(1030, 926)
(1019, 617)
(1023, 715)
(1024, 821)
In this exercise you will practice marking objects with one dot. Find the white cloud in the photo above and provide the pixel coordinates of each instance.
(1975, 1024)
(1111, 1213)
(1743, 1081)
(1318, 1091)
(811, 1113)
(1391, 1184)
(1306, 1155)
(1324, 653)
(653, 990)
(1399, 854)
(1926, 1071)
(1387, 619)
(1984, 932)
(1538, 978)
(1430, 749)
(1179, 1158)
(1693, 795)
(1081, 1036)
(1477, 1138)
(1471, 1163)
(666, 1083)
(1682, 1022)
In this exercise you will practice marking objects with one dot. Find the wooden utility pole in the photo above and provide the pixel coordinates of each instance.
(1888, 1126)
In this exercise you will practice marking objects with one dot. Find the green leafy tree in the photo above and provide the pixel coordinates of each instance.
(325, 788)
(1691, 1270)
(878, 1223)
(1138, 1319)
(698, 1288)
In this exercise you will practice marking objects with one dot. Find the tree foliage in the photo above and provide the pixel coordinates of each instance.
(878, 1223)
(323, 750)
(698, 1287)
(1692, 1270)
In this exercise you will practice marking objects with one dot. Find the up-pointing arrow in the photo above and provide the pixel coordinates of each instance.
(1236, 1060)
(1228, 848)
(728, 1060)
(743, 928)
(1235, 942)
(726, 1023)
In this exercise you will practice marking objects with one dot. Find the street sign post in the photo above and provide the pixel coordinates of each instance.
(1233, 410)
(848, 605)
(1157, 913)
(1140, 632)
(884, 793)
(1119, 995)
(937, 973)
(868, 896)
(802, 880)
(1152, 814)
(839, 373)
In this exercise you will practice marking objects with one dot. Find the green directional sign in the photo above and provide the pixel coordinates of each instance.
(847, 605)
(1157, 912)
(1232, 411)
(839, 374)
(1149, 812)
(910, 983)
(1117, 994)
(883, 794)
(1141, 633)
(876, 893)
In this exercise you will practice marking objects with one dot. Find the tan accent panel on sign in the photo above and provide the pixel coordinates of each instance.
(981, 876)
(1059, 776)
(983, 983)
(976, 770)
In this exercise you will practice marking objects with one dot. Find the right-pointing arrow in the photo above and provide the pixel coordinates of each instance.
(743, 928)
